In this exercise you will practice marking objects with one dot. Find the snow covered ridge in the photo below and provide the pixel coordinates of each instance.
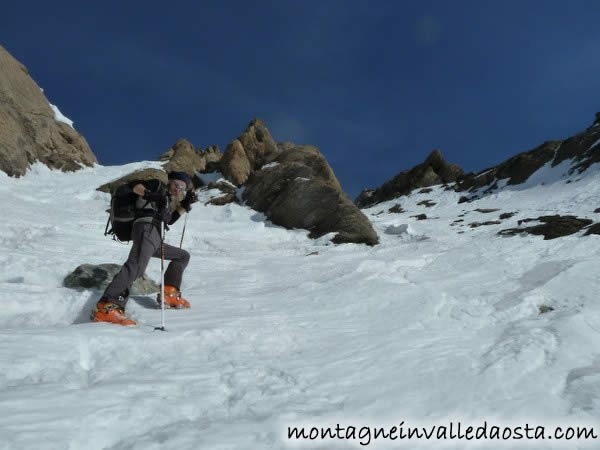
(502, 210)
(568, 160)
(286, 330)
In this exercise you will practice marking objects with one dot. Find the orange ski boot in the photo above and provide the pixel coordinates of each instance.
(107, 311)
(173, 298)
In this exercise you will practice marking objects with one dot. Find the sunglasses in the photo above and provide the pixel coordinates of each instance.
(180, 185)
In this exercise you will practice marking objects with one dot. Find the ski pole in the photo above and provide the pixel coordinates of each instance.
(183, 233)
(162, 277)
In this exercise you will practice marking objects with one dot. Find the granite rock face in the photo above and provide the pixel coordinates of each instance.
(29, 131)
(183, 157)
(249, 152)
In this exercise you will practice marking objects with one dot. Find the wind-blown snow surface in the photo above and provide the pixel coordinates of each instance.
(430, 325)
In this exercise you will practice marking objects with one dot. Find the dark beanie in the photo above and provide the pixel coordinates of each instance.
(180, 176)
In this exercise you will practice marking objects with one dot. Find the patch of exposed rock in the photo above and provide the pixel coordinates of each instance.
(465, 199)
(435, 170)
(486, 210)
(552, 227)
(396, 209)
(29, 131)
(486, 223)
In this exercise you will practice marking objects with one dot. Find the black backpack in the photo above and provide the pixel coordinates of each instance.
(123, 210)
(122, 213)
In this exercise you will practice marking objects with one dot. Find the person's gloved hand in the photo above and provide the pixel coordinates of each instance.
(190, 198)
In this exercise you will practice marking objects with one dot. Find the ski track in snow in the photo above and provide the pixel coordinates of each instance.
(430, 324)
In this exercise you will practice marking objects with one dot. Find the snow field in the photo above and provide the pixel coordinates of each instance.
(430, 324)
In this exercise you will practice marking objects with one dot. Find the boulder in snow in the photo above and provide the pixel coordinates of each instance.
(301, 191)
(89, 276)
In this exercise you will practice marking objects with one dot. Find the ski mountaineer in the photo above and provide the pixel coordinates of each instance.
(153, 204)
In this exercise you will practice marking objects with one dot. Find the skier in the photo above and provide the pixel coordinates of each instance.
(153, 204)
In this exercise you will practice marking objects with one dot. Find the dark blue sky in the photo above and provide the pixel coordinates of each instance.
(376, 85)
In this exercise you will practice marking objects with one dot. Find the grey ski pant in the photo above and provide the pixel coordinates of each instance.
(146, 244)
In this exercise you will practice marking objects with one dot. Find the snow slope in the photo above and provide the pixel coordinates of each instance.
(431, 325)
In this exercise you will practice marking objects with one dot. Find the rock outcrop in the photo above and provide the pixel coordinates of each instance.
(582, 149)
(182, 157)
(298, 189)
(292, 185)
(212, 154)
(235, 164)
(516, 169)
(29, 131)
(249, 152)
(435, 170)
